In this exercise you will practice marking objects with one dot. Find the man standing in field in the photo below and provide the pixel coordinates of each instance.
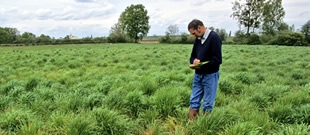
(205, 59)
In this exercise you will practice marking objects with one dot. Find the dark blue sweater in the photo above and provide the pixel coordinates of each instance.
(210, 50)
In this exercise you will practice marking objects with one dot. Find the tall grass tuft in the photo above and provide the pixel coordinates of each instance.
(58, 122)
(296, 98)
(44, 107)
(135, 102)
(149, 85)
(166, 101)
(94, 100)
(115, 99)
(267, 95)
(174, 126)
(302, 114)
(293, 129)
(104, 85)
(184, 94)
(282, 113)
(12, 120)
(32, 84)
(27, 98)
(244, 78)
(153, 128)
(148, 116)
(80, 125)
(214, 122)
(161, 79)
(31, 128)
(263, 122)
(230, 87)
(242, 128)
(13, 88)
(292, 108)
(4, 102)
(109, 122)
(75, 102)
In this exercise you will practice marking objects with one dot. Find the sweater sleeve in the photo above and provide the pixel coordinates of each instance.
(193, 54)
(216, 50)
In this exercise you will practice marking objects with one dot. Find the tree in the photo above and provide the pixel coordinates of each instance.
(292, 28)
(290, 39)
(28, 38)
(211, 28)
(272, 16)
(248, 14)
(4, 36)
(305, 29)
(173, 30)
(14, 34)
(117, 34)
(223, 34)
(135, 21)
(240, 37)
(284, 27)
(44, 39)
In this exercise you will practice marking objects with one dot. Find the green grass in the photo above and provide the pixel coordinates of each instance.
(145, 89)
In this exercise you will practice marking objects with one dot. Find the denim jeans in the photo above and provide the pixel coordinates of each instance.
(204, 86)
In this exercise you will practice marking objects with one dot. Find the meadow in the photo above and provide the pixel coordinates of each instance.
(144, 89)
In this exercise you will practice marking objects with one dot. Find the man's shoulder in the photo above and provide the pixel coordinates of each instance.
(214, 34)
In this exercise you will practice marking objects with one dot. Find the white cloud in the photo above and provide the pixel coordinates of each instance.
(83, 18)
(297, 12)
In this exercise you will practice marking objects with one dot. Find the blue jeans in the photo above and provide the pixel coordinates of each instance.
(204, 86)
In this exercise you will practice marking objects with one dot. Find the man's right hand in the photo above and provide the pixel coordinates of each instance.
(196, 61)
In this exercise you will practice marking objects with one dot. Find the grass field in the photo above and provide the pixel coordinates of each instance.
(144, 89)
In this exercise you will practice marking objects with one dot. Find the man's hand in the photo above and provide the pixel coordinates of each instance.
(195, 62)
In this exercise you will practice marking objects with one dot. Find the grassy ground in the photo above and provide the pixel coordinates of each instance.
(145, 88)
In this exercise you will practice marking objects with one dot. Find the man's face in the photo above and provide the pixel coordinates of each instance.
(196, 32)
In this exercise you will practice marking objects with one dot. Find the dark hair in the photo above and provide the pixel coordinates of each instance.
(194, 24)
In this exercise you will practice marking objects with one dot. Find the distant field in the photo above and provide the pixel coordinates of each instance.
(145, 88)
(151, 39)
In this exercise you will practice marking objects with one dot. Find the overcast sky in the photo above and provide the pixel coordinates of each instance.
(83, 18)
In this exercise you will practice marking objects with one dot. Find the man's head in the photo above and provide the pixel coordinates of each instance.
(196, 28)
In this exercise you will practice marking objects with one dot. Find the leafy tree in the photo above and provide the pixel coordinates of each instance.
(28, 35)
(28, 38)
(248, 14)
(14, 34)
(211, 28)
(166, 38)
(44, 39)
(253, 39)
(135, 21)
(284, 27)
(305, 29)
(290, 39)
(117, 34)
(240, 37)
(4, 36)
(292, 28)
(100, 39)
(173, 30)
(223, 34)
(273, 15)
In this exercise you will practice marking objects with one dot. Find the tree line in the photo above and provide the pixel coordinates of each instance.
(259, 21)
(11, 36)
